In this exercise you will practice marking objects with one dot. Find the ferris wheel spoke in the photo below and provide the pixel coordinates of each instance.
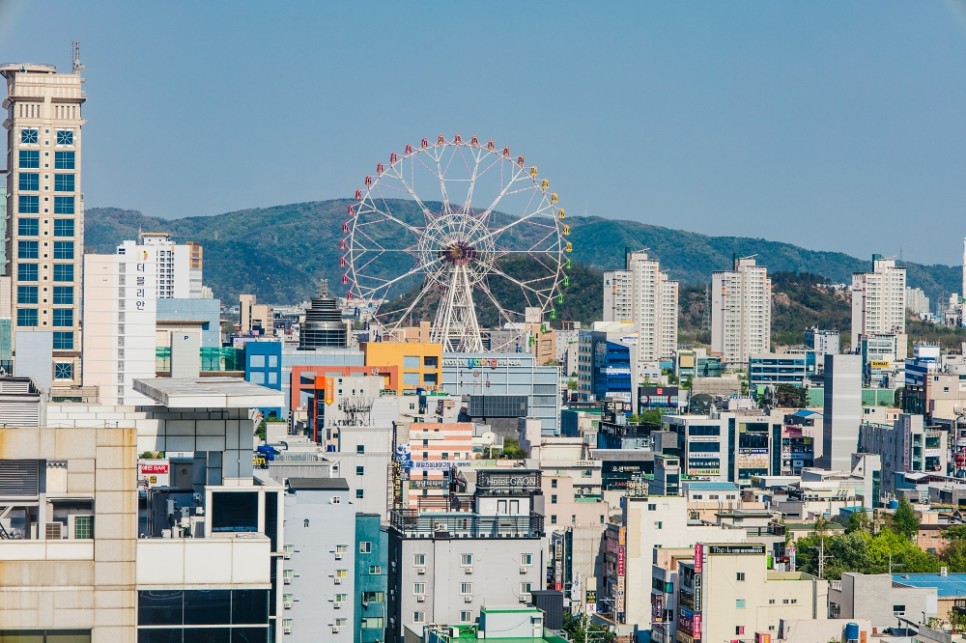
(389, 217)
(410, 190)
(523, 285)
(408, 309)
(485, 289)
(517, 173)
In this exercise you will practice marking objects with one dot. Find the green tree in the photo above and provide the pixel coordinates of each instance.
(858, 521)
(651, 416)
(579, 626)
(512, 450)
(904, 520)
(953, 554)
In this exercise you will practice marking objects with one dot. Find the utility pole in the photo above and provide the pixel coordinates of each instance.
(822, 557)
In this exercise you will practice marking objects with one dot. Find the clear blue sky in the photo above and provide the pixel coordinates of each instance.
(833, 125)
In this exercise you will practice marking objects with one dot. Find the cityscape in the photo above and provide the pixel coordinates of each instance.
(451, 404)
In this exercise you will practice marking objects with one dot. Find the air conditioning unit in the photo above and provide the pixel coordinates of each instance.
(338, 555)
(468, 570)
(337, 605)
(335, 629)
(420, 570)
(287, 626)
(523, 569)
(524, 598)
(337, 580)
(420, 598)
(467, 598)
(287, 601)
(53, 530)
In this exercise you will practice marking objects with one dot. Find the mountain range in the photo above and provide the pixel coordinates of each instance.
(280, 253)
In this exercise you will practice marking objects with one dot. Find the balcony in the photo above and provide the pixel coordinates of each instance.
(465, 525)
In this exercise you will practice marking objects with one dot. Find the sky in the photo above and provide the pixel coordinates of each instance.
(831, 125)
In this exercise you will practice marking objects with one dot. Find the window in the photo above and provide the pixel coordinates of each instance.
(63, 250)
(466, 616)
(63, 294)
(375, 570)
(63, 272)
(419, 560)
(63, 316)
(739, 629)
(740, 603)
(63, 371)
(26, 272)
(526, 559)
(652, 507)
(29, 181)
(360, 470)
(360, 493)
(360, 448)
(83, 527)
(336, 500)
(525, 588)
(27, 249)
(63, 205)
(341, 549)
(466, 560)
(342, 573)
(740, 576)
(63, 161)
(341, 598)
(26, 294)
(419, 617)
(553, 519)
(553, 499)
(553, 483)
(29, 135)
(26, 317)
(63, 227)
(659, 524)
(373, 623)
(29, 159)
(65, 137)
(419, 588)
(466, 588)
(373, 597)
(63, 183)
(411, 362)
(29, 227)
(898, 609)
(28, 204)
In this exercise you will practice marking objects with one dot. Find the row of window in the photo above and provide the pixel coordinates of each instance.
(30, 160)
(31, 249)
(31, 136)
(63, 295)
(30, 227)
(30, 204)
(419, 589)
(419, 560)
(62, 317)
(30, 272)
(30, 182)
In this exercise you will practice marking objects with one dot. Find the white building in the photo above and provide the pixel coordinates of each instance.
(644, 295)
(878, 300)
(178, 267)
(120, 305)
(917, 302)
(740, 311)
(45, 207)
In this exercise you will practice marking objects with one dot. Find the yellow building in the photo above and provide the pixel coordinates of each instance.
(420, 364)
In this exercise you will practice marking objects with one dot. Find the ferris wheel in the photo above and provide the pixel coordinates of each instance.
(459, 233)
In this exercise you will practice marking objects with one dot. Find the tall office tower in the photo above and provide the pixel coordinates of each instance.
(45, 207)
(878, 300)
(842, 413)
(740, 311)
(178, 266)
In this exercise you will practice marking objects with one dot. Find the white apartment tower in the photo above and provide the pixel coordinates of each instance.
(178, 267)
(644, 295)
(878, 300)
(120, 318)
(740, 311)
(45, 207)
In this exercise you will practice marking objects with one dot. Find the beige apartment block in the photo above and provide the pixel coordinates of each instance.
(69, 504)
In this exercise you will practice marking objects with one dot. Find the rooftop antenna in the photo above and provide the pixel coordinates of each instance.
(75, 57)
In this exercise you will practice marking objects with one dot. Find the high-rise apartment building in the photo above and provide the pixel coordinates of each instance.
(878, 300)
(644, 295)
(178, 267)
(45, 206)
(741, 311)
